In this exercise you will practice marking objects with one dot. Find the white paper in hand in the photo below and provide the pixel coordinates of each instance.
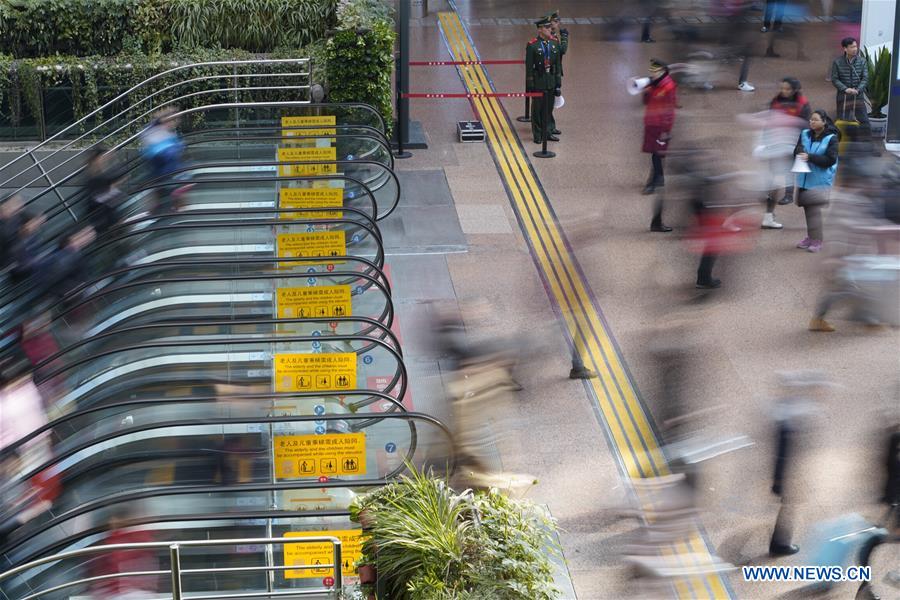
(559, 102)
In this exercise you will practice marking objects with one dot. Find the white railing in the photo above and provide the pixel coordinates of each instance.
(176, 573)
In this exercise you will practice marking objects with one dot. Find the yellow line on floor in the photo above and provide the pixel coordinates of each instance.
(623, 413)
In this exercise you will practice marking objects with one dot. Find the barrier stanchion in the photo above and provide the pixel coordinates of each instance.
(543, 152)
(526, 118)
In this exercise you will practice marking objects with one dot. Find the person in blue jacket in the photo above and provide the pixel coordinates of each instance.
(818, 147)
(163, 150)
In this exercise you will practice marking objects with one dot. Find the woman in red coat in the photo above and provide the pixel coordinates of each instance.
(659, 117)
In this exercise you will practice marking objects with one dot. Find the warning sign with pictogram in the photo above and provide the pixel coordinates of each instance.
(330, 454)
(312, 155)
(327, 244)
(314, 302)
(325, 372)
(311, 198)
(322, 553)
(320, 123)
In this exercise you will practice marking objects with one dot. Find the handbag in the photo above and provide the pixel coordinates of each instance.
(847, 127)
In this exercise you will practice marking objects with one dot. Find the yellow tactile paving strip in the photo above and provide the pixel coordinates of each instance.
(628, 424)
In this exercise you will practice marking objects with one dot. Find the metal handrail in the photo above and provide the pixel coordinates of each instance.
(12, 447)
(284, 104)
(127, 92)
(175, 561)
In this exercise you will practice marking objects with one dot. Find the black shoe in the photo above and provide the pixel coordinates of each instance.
(772, 54)
(538, 142)
(552, 138)
(783, 549)
(786, 200)
(648, 189)
(648, 40)
(660, 228)
(556, 132)
(582, 373)
(709, 285)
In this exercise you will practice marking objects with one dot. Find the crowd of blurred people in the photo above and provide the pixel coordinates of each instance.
(42, 266)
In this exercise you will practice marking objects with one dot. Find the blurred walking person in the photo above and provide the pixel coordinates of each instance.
(101, 190)
(792, 416)
(788, 113)
(122, 561)
(163, 149)
(660, 100)
(818, 148)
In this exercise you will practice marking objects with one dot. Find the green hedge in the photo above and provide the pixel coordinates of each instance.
(33, 28)
(355, 63)
(358, 67)
(91, 81)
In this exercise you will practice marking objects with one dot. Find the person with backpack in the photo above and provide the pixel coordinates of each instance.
(818, 148)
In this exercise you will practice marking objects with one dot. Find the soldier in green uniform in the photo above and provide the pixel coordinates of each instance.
(562, 38)
(542, 74)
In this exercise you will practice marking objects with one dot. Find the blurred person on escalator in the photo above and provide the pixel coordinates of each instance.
(163, 149)
(12, 218)
(122, 561)
(28, 256)
(102, 194)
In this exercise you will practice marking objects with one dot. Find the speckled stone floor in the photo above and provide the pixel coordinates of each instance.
(737, 340)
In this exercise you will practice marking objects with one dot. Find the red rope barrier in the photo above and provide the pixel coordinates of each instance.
(442, 63)
(478, 95)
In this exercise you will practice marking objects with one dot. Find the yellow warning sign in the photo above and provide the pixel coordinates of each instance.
(325, 372)
(315, 244)
(304, 155)
(308, 123)
(312, 198)
(314, 302)
(315, 455)
(322, 553)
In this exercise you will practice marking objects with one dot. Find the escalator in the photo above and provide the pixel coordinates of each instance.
(214, 355)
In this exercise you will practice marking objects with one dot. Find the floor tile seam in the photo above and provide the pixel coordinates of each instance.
(501, 121)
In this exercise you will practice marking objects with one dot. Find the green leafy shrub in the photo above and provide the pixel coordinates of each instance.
(94, 80)
(879, 87)
(428, 542)
(254, 25)
(358, 67)
(30, 28)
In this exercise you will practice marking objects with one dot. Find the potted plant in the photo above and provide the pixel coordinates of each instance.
(429, 542)
(879, 88)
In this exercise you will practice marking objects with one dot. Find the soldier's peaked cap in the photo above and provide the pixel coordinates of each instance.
(553, 15)
(542, 22)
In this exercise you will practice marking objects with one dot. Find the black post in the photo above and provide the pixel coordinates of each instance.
(402, 78)
(527, 117)
(543, 152)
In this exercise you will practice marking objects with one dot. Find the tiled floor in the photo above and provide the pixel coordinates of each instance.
(754, 327)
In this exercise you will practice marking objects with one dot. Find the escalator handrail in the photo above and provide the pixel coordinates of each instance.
(136, 87)
(381, 280)
(368, 130)
(364, 156)
(400, 374)
(386, 319)
(206, 421)
(167, 545)
(276, 163)
(81, 195)
(23, 287)
(379, 254)
(194, 323)
(50, 425)
(156, 492)
(122, 144)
